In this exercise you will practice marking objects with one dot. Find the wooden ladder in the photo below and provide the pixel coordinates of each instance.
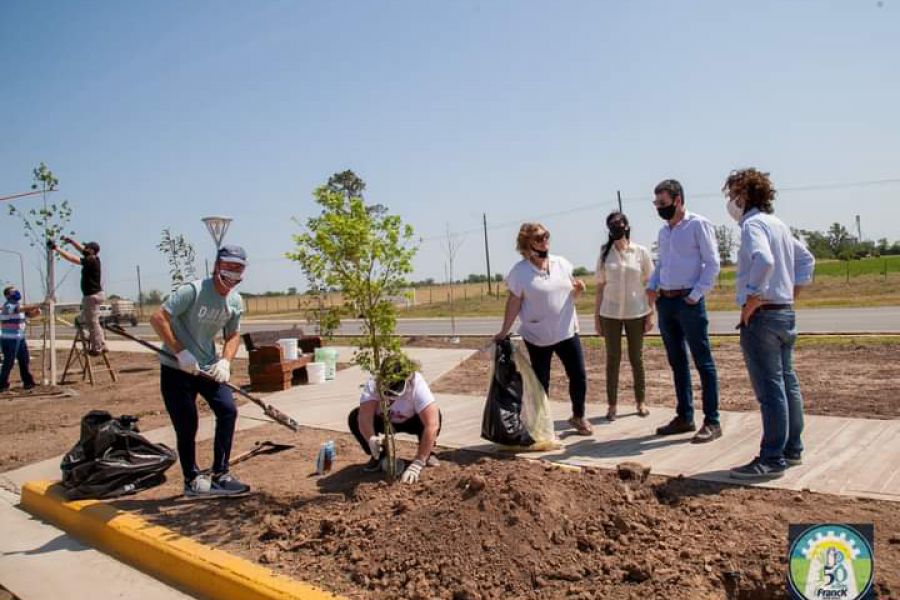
(80, 354)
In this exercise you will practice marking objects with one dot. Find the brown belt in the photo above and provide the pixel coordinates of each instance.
(674, 293)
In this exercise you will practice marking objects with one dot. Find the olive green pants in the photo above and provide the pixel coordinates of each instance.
(634, 333)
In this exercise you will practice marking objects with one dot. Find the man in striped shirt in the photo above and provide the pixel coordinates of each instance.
(12, 336)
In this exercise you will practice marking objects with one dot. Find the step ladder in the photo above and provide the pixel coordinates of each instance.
(80, 354)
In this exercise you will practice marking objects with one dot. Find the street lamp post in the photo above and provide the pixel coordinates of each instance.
(21, 266)
(217, 228)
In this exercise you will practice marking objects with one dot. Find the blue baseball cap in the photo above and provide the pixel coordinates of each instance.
(232, 254)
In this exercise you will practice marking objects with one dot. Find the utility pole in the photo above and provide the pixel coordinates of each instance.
(619, 198)
(140, 294)
(487, 252)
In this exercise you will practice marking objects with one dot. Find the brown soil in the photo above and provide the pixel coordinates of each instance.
(42, 423)
(848, 380)
(486, 527)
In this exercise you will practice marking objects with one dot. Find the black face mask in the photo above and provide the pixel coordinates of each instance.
(617, 232)
(540, 253)
(666, 212)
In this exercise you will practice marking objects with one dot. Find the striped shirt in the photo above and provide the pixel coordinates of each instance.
(12, 322)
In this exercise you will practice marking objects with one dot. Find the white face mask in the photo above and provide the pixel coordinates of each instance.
(734, 210)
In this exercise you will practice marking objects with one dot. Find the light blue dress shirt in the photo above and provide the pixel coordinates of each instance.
(771, 261)
(688, 257)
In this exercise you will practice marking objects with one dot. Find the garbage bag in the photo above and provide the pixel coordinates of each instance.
(113, 459)
(517, 412)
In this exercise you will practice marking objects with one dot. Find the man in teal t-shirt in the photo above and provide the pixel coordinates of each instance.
(187, 323)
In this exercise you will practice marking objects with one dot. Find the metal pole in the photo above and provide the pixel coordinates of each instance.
(21, 268)
(140, 294)
(487, 252)
(619, 198)
(51, 293)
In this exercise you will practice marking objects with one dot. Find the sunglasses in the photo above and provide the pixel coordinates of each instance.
(544, 237)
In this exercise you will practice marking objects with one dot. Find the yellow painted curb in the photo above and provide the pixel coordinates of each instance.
(162, 553)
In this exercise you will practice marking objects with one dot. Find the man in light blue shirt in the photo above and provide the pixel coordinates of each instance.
(771, 264)
(686, 269)
(187, 323)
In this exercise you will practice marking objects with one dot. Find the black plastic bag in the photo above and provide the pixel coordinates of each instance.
(113, 459)
(502, 421)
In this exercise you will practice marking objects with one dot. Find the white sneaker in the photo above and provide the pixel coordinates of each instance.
(199, 486)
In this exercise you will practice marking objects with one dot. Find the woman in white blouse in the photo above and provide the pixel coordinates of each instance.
(622, 272)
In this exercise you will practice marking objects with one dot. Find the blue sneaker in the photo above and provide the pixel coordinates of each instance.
(225, 484)
(757, 470)
(793, 460)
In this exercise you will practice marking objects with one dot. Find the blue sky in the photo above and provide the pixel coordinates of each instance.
(155, 114)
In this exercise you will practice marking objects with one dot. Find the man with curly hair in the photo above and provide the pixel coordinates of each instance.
(772, 264)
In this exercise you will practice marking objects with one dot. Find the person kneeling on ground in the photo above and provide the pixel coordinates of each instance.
(187, 323)
(412, 409)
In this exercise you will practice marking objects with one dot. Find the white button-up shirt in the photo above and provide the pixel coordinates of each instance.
(624, 276)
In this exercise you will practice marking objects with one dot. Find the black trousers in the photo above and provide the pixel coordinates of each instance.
(412, 425)
(572, 357)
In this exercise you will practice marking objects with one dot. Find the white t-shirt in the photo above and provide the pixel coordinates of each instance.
(623, 277)
(547, 316)
(413, 401)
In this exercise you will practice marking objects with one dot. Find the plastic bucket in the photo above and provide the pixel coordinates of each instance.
(329, 356)
(315, 372)
(288, 348)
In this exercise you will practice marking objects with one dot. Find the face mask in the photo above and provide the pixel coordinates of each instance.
(617, 232)
(15, 296)
(540, 253)
(396, 389)
(734, 210)
(666, 212)
(229, 280)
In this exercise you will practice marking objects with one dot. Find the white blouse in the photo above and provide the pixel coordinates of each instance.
(624, 275)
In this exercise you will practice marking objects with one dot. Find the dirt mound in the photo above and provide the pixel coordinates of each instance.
(502, 529)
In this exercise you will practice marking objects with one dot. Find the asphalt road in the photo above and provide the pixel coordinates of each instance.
(883, 319)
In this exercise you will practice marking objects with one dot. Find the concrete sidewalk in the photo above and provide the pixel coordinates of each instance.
(40, 562)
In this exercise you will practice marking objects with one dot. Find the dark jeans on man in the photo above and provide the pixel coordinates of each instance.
(412, 425)
(684, 326)
(768, 346)
(572, 357)
(179, 392)
(14, 350)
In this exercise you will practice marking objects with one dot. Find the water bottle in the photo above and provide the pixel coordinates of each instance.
(325, 458)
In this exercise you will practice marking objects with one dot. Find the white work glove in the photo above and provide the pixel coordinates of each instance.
(187, 362)
(412, 472)
(221, 371)
(376, 446)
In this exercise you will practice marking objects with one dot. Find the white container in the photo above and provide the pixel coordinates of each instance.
(328, 356)
(288, 348)
(315, 372)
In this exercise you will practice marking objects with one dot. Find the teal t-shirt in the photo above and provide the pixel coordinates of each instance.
(198, 313)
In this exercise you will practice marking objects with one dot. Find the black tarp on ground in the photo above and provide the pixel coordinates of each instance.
(113, 459)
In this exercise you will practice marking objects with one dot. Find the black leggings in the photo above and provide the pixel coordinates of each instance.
(572, 357)
(412, 425)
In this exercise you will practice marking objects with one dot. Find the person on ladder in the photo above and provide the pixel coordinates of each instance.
(12, 337)
(91, 289)
(187, 323)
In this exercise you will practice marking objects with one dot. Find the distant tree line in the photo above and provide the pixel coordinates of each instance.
(838, 242)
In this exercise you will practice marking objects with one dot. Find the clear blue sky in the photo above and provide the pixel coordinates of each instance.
(154, 114)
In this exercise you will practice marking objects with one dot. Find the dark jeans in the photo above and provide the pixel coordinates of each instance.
(570, 353)
(612, 335)
(412, 425)
(768, 346)
(14, 350)
(179, 392)
(684, 326)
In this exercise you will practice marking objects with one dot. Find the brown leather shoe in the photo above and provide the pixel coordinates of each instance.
(676, 425)
(707, 433)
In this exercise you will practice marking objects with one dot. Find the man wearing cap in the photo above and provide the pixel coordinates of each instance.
(12, 337)
(91, 288)
(412, 409)
(187, 323)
